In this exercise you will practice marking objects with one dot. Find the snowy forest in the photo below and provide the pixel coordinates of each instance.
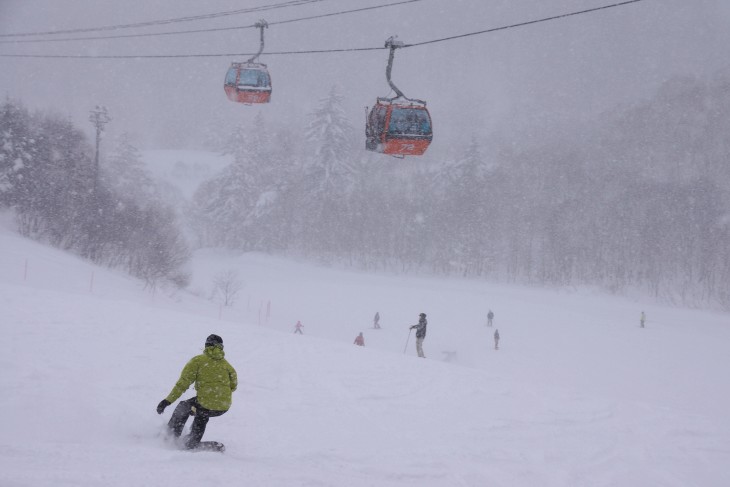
(637, 200)
(110, 215)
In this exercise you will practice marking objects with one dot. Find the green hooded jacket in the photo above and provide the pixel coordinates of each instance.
(215, 379)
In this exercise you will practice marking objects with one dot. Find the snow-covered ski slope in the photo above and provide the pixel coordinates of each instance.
(577, 395)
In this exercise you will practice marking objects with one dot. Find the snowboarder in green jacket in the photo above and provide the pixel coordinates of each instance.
(215, 380)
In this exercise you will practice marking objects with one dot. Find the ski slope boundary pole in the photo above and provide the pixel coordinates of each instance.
(409, 337)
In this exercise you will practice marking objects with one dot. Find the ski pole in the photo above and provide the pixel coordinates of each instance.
(409, 337)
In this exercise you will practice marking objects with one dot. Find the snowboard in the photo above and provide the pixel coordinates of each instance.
(210, 446)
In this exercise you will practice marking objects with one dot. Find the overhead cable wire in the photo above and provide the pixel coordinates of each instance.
(260, 8)
(128, 36)
(211, 29)
(522, 24)
(180, 56)
(332, 14)
(432, 41)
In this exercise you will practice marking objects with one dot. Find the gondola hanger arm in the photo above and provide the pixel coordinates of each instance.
(261, 25)
(393, 44)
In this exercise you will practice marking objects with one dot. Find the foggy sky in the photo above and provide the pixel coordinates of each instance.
(520, 81)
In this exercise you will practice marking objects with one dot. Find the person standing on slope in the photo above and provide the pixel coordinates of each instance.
(496, 339)
(360, 340)
(420, 333)
(376, 320)
(215, 380)
(298, 328)
(490, 317)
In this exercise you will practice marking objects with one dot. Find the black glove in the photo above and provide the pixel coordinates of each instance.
(161, 407)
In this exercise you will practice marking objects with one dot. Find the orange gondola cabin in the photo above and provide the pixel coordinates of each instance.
(399, 127)
(248, 83)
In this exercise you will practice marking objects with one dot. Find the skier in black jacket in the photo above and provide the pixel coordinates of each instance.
(420, 333)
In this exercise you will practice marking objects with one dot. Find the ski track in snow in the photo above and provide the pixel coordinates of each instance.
(577, 395)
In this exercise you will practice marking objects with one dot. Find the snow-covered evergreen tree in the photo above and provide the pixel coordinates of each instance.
(329, 131)
(326, 178)
(17, 147)
(229, 205)
(247, 142)
(72, 211)
(470, 169)
(124, 172)
(463, 219)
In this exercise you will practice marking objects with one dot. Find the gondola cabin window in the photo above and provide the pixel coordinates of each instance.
(409, 121)
(231, 76)
(377, 119)
(254, 78)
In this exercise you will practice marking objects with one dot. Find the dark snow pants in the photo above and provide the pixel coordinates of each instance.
(180, 416)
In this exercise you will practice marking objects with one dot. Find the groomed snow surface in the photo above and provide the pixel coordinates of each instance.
(577, 395)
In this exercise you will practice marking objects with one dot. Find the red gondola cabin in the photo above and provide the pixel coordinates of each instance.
(399, 127)
(248, 83)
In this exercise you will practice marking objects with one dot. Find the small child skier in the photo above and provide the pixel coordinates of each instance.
(298, 328)
(360, 340)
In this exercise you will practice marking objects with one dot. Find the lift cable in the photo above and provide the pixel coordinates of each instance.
(522, 24)
(212, 29)
(444, 39)
(290, 3)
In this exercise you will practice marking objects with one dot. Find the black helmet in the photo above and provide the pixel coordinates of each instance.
(422, 315)
(213, 341)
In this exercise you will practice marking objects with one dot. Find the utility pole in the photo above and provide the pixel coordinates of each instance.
(98, 117)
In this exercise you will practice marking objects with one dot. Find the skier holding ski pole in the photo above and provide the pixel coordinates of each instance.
(420, 333)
